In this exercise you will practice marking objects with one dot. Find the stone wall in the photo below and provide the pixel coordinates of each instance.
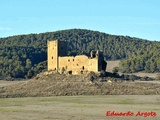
(78, 63)
(58, 59)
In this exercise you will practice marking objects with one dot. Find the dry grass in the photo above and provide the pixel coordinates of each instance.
(78, 107)
(7, 83)
(62, 85)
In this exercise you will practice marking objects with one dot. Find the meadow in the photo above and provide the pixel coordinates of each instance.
(80, 107)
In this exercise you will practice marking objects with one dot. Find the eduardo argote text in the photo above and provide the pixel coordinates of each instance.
(129, 113)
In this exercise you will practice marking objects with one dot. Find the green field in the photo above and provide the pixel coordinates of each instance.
(79, 107)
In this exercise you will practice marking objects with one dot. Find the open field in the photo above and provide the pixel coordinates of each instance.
(79, 107)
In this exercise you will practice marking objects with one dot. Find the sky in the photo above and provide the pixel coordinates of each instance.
(135, 18)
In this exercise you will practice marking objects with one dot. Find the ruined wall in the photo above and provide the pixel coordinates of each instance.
(93, 65)
(58, 59)
(78, 63)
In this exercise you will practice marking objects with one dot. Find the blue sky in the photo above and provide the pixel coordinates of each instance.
(135, 18)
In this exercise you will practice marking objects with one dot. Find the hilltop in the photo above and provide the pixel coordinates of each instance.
(68, 85)
(24, 56)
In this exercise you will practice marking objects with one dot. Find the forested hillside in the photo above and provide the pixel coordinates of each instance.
(147, 59)
(25, 55)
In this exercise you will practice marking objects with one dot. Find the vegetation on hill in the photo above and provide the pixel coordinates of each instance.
(25, 55)
(90, 84)
(146, 59)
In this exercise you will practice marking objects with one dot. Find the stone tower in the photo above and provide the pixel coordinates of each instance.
(55, 49)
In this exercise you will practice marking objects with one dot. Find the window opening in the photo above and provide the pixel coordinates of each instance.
(82, 67)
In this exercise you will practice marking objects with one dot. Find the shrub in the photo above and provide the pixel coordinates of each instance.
(115, 70)
(125, 77)
(158, 76)
(92, 75)
(134, 77)
(146, 78)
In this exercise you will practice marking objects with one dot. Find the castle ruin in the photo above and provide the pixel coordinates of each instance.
(58, 59)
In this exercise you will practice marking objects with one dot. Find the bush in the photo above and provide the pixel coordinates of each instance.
(103, 73)
(125, 77)
(115, 70)
(146, 78)
(92, 75)
(134, 77)
(158, 76)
